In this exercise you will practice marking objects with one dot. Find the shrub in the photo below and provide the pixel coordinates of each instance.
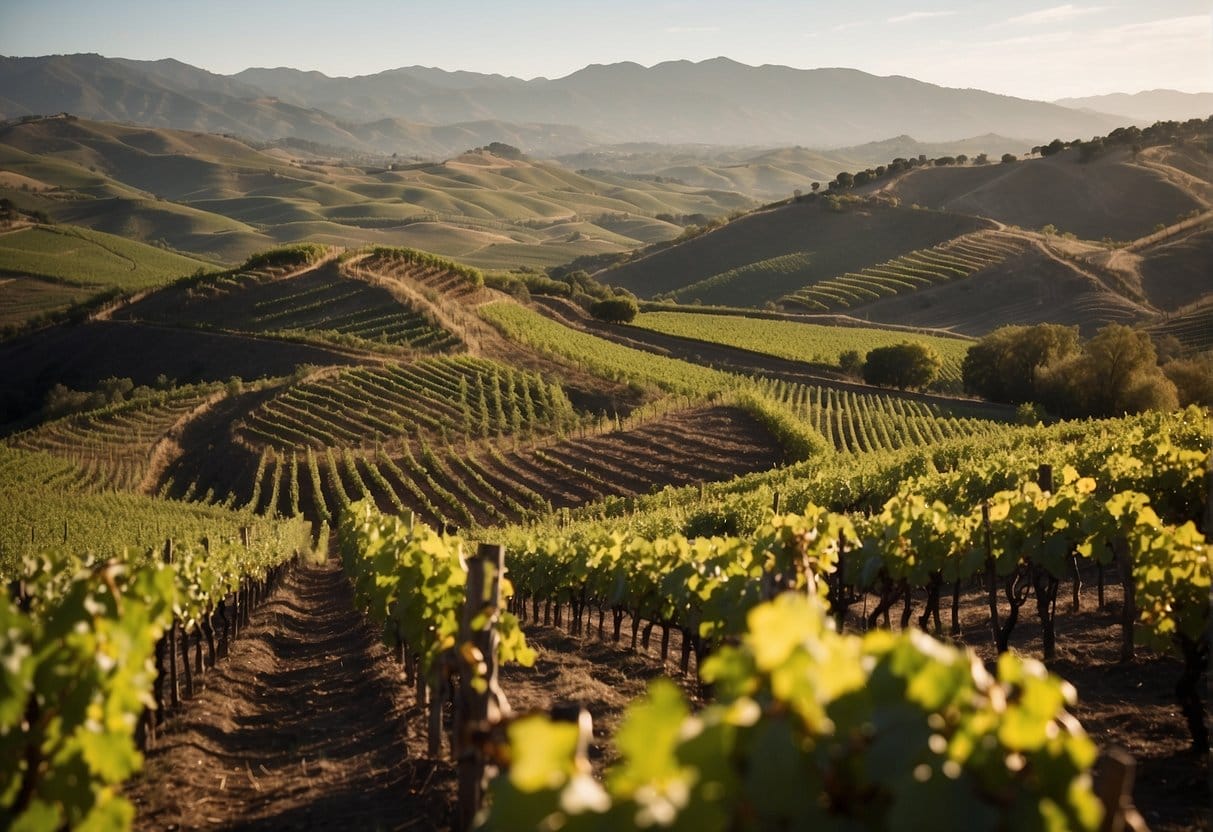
(908, 366)
(618, 310)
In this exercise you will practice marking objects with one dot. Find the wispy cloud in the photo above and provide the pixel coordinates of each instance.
(842, 27)
(1056, 14)
(912, 16)
(1168, 29)
(691, 30)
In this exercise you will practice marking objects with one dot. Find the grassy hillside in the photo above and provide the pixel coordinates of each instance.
(23, 299)
(223, 199)
(47, 269)
(84, 257)
(1110, 196)
(797, 341)
(767, 254)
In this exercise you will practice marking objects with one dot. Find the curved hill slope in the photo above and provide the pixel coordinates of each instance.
(1178, 271)
(217, 196)
(321, 303)
(711, 268)
(1027, 288)
(1111, 196)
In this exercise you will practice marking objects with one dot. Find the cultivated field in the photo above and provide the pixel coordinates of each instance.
(252, 515)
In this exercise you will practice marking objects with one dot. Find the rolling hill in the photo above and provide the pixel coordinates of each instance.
(764, 255)
(220, 198)
(1111, 196)
(1097, 233)
(46, 270)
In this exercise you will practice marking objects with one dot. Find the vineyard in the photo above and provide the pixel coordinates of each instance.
(452, 398)
(782, 269)
(797, 341)
(1007, 524)
(111, 447)
(482, 483)
(321, 303)
(859, 422)
(1193, 328)
(953, 260)
(834, 592)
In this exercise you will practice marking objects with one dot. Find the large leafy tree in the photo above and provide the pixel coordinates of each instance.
(909, 366)
(1002, 366)
(1116, 373)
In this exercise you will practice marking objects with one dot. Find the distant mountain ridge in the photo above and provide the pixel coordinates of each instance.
(1147, 107)
(718, 102)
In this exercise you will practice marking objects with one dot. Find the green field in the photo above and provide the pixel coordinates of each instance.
(84, 257)
(795, 341)
(600, 356)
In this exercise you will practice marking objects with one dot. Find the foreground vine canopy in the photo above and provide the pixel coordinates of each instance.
(812, 729)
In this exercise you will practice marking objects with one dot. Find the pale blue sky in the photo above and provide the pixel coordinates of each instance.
(1036, 49)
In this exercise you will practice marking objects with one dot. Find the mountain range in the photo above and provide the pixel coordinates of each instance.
(1148, 106)
(418, 111)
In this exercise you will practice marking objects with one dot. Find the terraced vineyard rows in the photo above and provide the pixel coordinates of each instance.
(952, 260)
(450, 279)
(318, 303)
(857, 422)
(785, 267)
(451, 398)
(47, 504)
(111, 448)
(1193, 328)
(480, 484)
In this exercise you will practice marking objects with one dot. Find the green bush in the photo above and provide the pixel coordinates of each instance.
(618, 310)
(910, 365)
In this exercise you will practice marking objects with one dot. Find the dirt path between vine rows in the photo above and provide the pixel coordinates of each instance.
(303, 727)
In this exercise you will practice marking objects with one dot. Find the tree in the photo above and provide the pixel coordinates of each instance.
(115, 390)
(981, 159)
(1167, 347)
(617, 310)
(908, 366)
(1055, 146)
(1116, 357)
(815, 186)
(1008, 158)
(1193, 379)
(1002, 366)
(1116, 373)
(851, 363)
(843, 180)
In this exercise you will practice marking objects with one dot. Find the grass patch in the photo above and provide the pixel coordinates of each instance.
(83, 257)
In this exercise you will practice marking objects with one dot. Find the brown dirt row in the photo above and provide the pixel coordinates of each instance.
(309, 724)
(305, 726)
(702, 444)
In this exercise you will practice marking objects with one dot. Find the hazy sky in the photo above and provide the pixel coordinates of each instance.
(1031, 48)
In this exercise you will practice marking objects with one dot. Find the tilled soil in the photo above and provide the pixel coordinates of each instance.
(305, 726)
